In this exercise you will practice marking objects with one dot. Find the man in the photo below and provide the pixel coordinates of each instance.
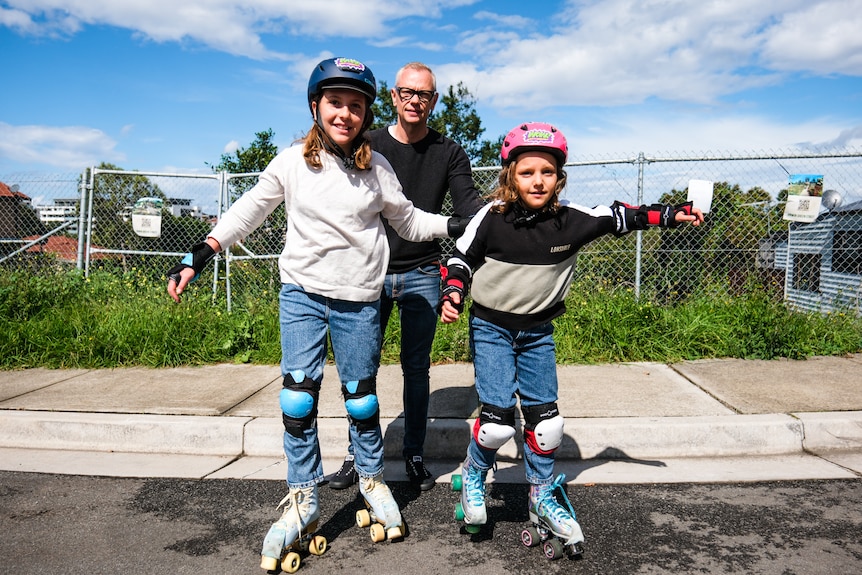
(428, 165)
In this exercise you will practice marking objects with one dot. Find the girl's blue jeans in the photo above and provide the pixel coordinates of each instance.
(509, 364)
(354, 330)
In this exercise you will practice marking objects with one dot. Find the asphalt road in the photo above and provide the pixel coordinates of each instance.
(90, 525)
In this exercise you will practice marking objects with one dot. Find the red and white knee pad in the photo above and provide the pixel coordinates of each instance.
(494, 427)
(543, 427)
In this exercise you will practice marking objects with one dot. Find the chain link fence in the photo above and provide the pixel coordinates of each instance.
(146, 221)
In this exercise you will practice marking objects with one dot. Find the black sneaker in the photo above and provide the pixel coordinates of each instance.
(346, 476)
(418, 474)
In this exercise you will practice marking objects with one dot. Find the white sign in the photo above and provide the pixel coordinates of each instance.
(700, 194)
(147, 217)
(803, 197)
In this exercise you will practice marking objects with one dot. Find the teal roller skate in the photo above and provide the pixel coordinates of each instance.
(553, 526)
(381, 513)
(293, 532)
(471, 509)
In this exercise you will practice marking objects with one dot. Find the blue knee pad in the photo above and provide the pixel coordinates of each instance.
(298, 402)
(360, 400)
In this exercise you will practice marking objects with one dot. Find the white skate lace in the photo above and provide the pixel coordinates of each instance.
(377, 493)
(291, 503)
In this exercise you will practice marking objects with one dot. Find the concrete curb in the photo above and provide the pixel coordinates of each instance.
(586, 438)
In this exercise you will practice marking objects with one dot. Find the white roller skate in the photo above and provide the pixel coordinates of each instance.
(554, 526)
(471, 509)
(293, 532)
(381, 513)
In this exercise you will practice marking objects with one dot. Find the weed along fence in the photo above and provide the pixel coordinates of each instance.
(122, 222)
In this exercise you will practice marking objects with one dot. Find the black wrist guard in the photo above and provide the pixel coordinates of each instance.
(456, 226)
(451, 286)
(197, 259)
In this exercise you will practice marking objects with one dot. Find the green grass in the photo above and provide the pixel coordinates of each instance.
(63, 320)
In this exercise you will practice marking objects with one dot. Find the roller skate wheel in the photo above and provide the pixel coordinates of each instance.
(457, 482)
(530, 537)
(395, 533)
(363, 518)
(553, 549)
(472, 529)
(459, 512)
(317, 545)
(268, 563)
(378, 533)
(290, 563)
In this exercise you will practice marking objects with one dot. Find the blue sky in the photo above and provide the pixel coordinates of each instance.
(170, 85)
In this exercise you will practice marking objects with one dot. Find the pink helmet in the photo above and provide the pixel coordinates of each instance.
(536, 137)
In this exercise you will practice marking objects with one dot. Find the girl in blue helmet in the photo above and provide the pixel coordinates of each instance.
(518, 256)
(335, 190)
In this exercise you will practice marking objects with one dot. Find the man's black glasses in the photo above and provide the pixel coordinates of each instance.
(406, 94)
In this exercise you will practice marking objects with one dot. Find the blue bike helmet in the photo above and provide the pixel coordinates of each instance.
(342, 73)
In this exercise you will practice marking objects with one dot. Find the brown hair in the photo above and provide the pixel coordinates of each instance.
(313, 145)
(507, 193)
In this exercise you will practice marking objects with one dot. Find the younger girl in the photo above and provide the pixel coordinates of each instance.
(518, 253)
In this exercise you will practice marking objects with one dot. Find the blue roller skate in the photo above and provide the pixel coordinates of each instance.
(471, 509)
(293, 532)
(553, 526)
(381, 512)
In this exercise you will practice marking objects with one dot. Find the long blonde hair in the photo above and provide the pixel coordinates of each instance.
(508, 195)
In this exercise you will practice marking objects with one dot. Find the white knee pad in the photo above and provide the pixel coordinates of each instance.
(548, 433)
(543, 429)
(492, 435)
(495, 426)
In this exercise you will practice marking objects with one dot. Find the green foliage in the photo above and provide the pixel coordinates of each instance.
(62, 320)
(255, 158)
(113, 199)
(459, 121)
(385, 113)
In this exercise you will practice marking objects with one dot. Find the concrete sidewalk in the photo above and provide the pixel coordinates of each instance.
(707, 420)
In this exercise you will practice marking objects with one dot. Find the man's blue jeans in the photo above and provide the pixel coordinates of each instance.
(354, 329)
(416, 294)
(509, 363)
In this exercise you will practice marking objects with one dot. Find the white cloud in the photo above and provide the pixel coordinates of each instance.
(230, 147)
(824, 38)
(226, 25)
(619, 52)
(61, 147)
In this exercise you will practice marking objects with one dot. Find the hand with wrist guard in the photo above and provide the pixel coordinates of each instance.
(196, 260)
(453, 295)
(457, 225)
(685, 213)
(672, 216)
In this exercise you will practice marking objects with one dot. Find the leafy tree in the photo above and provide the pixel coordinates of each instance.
(114, 196)
(459, 121)
(384, 110)
(269, 237)
(249, 160)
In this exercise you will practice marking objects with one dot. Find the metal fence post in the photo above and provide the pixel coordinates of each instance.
(91, 182)
(639, 234)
